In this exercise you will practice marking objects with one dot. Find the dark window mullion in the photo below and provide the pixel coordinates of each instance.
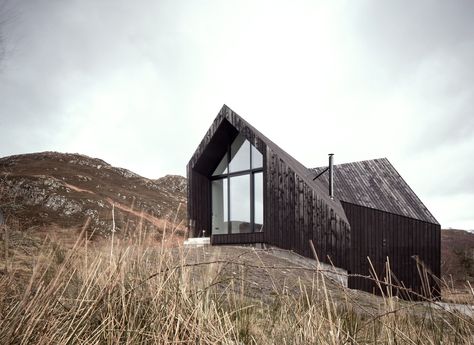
(250, 155)
(252, 202)
(252, 196)
(229, 227)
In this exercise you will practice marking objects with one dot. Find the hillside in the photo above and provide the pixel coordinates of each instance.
(50, 188)
(41, 190)
(143, 290)
(457, 256)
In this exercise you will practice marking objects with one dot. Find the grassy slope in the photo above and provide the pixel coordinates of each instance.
(154, 292)
(148, 292)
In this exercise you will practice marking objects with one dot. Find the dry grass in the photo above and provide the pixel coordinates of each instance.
(149, 292)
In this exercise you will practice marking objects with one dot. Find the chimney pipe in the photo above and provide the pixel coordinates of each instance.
(331, 176)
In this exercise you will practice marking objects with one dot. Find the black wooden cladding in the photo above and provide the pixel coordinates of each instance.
(199, 203)
(245, 238)
(298, 215)
(386, 218)
(379, 235)
(296, 209)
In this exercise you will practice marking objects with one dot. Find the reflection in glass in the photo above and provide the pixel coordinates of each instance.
(232, 195)
(219, 207)
(240, 204)
(222, 167)
(257, 158)
(258, 204)
(239, 154)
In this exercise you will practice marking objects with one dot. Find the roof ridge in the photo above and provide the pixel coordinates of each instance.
(354, 162)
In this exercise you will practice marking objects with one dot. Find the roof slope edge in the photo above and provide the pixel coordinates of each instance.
(304, 173)
(377, 184)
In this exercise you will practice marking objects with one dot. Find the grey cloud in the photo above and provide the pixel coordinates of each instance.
(427, 49)
(137, 84)
(63, 49)
(402, 33)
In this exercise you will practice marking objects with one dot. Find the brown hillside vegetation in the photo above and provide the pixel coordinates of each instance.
(62, 286)
(457, 256)
(53, 192)
(49, 188)
(126, 291)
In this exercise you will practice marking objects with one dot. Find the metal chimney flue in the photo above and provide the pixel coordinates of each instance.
(331, 176)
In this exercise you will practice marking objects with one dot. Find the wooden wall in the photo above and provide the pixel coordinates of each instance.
(295, 215)
(377, 234)
(255, 237)
(199, 203)
(296, 209)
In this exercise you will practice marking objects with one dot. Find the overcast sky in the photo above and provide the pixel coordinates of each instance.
(138, 83)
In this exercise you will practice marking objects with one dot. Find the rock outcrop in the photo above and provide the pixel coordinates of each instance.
(67, 189)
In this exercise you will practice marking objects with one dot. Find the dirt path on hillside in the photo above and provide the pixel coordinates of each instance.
(159, 222)
(77, 189)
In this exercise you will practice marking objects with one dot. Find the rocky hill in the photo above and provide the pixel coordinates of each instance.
(51, 188)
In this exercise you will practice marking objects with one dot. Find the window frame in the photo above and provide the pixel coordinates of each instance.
(252, 171)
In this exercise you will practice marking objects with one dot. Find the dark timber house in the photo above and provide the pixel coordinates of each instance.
(244, 189)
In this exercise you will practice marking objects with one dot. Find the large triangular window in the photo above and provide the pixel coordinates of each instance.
(237, 190)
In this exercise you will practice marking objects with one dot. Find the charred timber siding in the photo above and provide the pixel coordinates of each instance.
(387, 220)
(296, 209)
(199, 188)
(379, 235)
(296, 214)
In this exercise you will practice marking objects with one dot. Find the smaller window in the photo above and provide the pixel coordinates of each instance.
(239, 154)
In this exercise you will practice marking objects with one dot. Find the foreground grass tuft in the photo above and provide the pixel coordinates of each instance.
(148, 293)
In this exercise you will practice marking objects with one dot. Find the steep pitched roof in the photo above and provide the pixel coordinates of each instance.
(376, 184)
(240, 125)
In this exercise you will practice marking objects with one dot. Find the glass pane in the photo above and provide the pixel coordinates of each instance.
(219, 207)
(240, 204)
(239, 154)
(222, 167)
(257, 158)
(258, 189)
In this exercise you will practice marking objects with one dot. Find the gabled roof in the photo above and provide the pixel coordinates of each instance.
(228, 117)
(376, 184)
